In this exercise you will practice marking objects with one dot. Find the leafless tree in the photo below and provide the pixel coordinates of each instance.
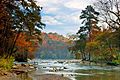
(109, 12)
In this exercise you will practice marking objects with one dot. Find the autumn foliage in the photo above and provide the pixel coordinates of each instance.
(26, 46)
(20, 24)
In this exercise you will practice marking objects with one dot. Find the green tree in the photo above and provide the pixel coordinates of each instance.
(26, 17)
(22, 16)
(90, 20)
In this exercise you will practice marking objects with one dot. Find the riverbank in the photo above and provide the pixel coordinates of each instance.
(49, 77)
(17, 69)
(26, 72)
(54, 70)
(6, 75)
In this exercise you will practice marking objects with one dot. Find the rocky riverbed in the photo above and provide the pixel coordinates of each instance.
(60, 70)
(26, 71)
(76, 70)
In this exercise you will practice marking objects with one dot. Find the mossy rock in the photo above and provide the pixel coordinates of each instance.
(113, 63)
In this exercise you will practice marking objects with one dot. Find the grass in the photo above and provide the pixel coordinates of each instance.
(7, 63)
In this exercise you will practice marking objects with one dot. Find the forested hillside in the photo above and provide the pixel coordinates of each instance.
(54, 46)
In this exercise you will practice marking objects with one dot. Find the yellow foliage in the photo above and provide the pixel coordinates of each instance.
(6, 64)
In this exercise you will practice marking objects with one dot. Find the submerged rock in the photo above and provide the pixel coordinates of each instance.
(112, 64)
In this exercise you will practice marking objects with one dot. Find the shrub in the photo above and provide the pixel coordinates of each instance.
(6, 63)
(116, 61)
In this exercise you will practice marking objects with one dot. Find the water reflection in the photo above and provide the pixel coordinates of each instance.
(99, 75)
(78, 71)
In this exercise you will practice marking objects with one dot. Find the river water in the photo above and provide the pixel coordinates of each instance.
(77, 71)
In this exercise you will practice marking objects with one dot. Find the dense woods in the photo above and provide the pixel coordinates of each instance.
(99, 42)
(20, 28)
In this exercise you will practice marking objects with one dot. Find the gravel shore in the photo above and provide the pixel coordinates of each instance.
(49, 77)
(12, 75)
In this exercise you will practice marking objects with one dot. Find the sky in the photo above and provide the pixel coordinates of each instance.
(62, 16)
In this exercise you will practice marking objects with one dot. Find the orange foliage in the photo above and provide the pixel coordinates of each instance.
(26, 45)
(94, 32)
(53, 37)
(21, 41)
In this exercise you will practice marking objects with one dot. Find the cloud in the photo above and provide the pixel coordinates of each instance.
(52, 9)
(69, 19)
(77, 4)
(50, 20)
(47, 4)
(62, 29)
(62, 16)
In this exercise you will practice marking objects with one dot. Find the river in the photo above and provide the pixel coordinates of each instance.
(77, 70)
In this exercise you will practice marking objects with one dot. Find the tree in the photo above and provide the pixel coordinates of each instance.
(25, 47)
(110, 14)
(6, 33)
(90, 20)
(26, 17)
(21, 16)
(107, 44)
